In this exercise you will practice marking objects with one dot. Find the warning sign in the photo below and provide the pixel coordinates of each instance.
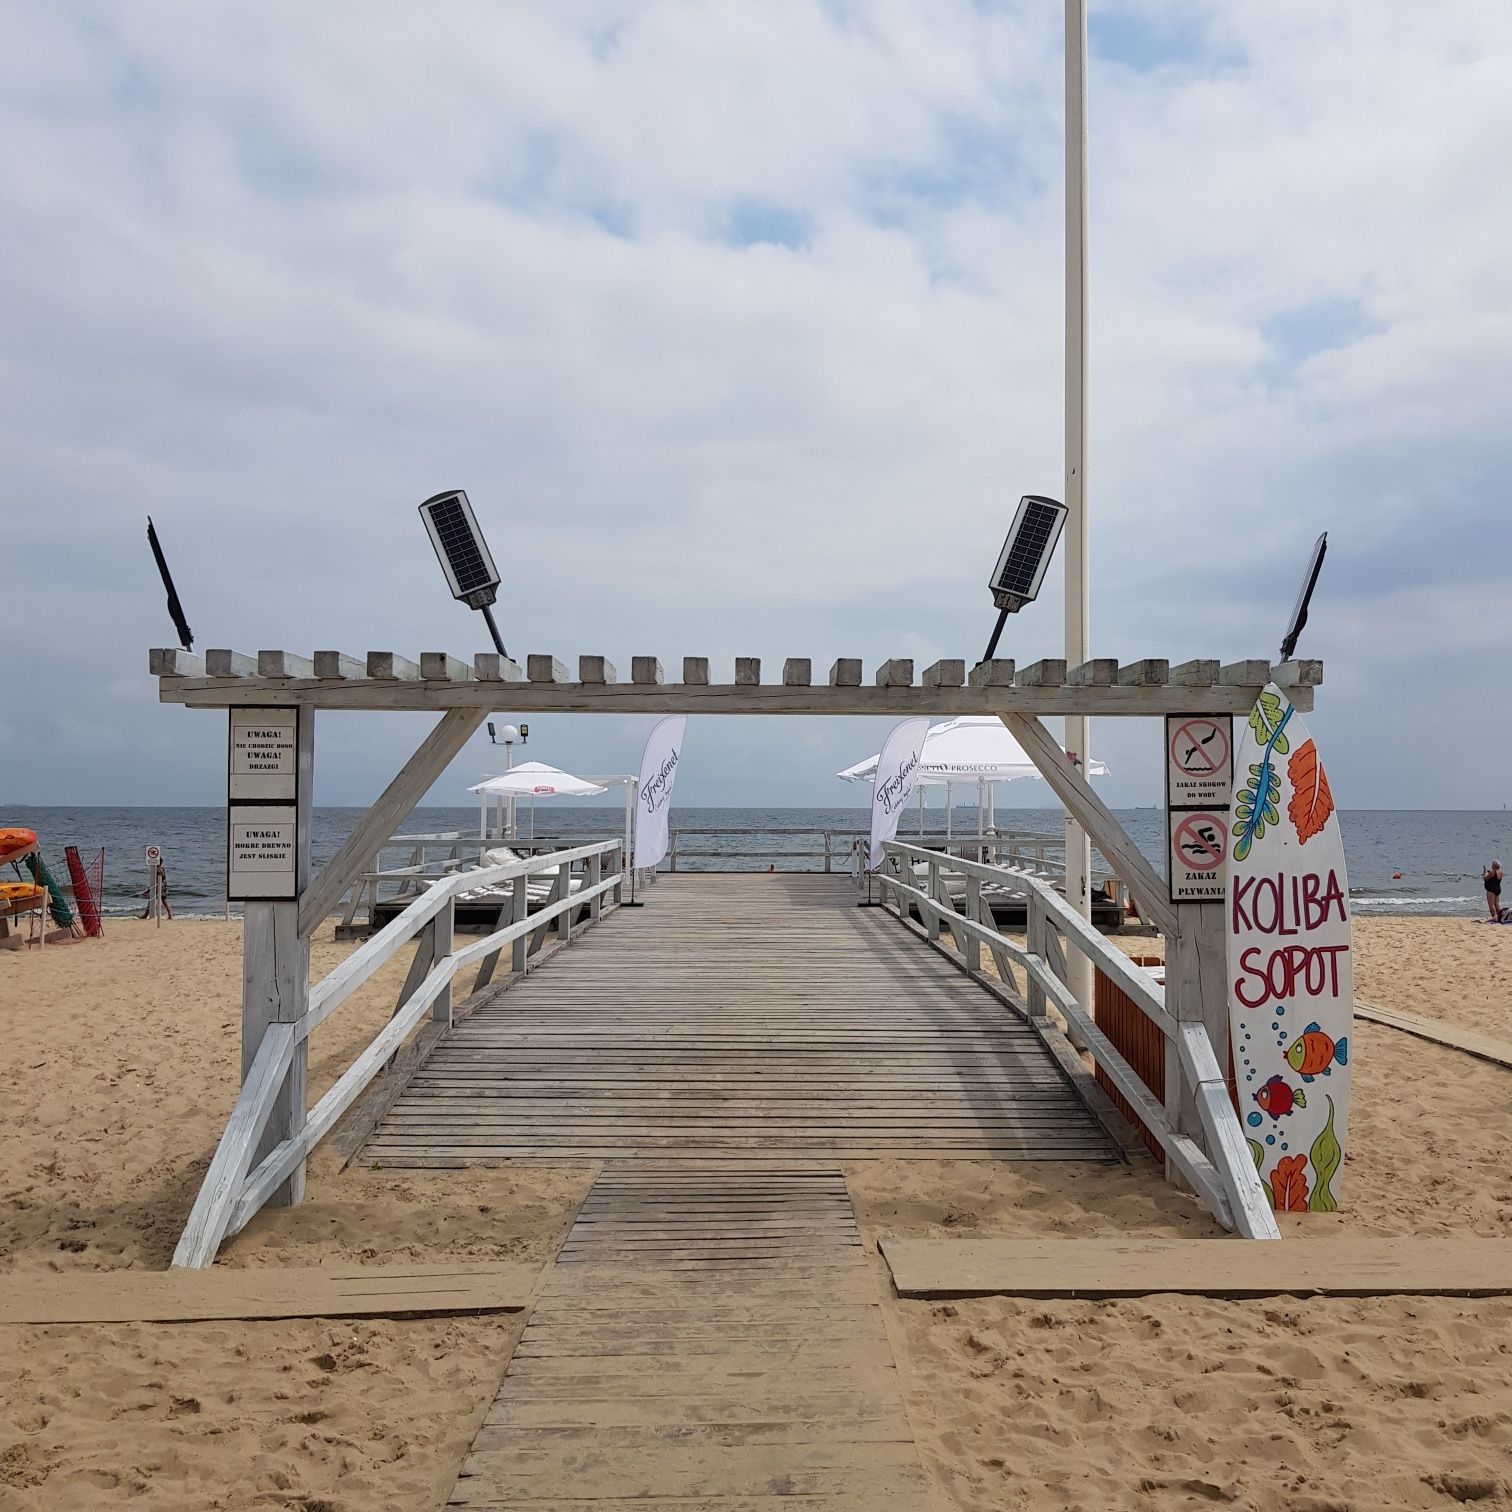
(261, 852)
(1199, 760)
(1199, 849)
(264, 759)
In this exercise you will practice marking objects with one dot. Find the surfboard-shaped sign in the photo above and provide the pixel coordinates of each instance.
(1291, 970)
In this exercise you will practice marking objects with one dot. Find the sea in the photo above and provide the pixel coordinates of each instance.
(1401, 861)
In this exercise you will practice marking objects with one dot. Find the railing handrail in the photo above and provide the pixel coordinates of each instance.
(1224, 1175)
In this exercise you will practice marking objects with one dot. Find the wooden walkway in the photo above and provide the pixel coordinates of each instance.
(758, 1017)
(707, 1340)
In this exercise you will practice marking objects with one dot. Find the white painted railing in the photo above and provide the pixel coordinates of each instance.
(233, 1190)
(1223, 1175)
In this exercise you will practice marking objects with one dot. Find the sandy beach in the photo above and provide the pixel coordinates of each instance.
(120, 1069)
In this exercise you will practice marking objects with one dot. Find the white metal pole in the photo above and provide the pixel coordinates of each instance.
(509, 766)
(1078, 846)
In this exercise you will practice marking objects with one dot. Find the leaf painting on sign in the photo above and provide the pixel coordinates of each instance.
(1291, 971)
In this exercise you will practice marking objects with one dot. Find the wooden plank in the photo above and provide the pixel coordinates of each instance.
(997, 673)
(1298, 674)
(596, 669)
(950, 673)
(845, 672)
(171, 662)
(1252, 674)
(1100, 672)
(1343, 1266)
(797, 672)
(317, 1291)
(489, 666)
(337, 665)
(222, 663)
(435, 753)
(747, 671)
(437, 666)
(284, 664)
(1440, 1032)
(646, 671)
(541, 668)
(1201, 673)
(386, 666)
(896, 673)
(1149, 672)
(696, 671)
(1048, 673)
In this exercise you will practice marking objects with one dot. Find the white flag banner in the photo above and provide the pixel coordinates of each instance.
(897, 776)
(653, 794)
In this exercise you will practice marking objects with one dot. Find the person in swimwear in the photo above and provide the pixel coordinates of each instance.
(1491, 878)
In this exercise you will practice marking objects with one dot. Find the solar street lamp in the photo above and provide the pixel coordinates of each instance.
(1304, 596)
(1022, 562)
(463, 554)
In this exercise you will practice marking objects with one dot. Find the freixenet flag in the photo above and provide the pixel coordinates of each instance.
(653, 794)
(897, 776)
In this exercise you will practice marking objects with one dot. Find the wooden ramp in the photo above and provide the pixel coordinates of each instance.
(741, 1016)
(708, 1340)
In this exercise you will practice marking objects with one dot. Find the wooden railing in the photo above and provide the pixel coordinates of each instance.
(233, 1189)
(1223, 1174)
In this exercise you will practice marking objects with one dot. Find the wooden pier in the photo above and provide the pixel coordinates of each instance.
(741, 1017)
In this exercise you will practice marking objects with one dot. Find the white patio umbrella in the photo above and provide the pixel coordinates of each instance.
(972, 748)
(535, 779)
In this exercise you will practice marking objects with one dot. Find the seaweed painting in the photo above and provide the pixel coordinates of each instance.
(1312, 801)
(1326, 1157)
(1257, 804)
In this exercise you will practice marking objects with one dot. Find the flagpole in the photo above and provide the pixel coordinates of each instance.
(1078, 628)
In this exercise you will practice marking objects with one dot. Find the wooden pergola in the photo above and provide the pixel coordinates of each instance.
(464, 693)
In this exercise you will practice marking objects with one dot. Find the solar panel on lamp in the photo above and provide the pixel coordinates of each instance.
(1026, 553)
(461, 549)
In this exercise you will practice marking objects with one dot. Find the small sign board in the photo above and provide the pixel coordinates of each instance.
(262, 852)
(264, 756)
(1199, 853)
(1199, 757)
(154, 854)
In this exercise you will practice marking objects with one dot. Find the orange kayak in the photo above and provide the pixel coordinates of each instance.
(17, 897)
(15, 843)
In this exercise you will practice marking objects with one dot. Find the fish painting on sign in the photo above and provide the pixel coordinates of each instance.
(1291, 970)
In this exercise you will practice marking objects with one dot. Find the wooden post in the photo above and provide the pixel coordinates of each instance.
(518, 914)
(828, 855)
(564, 887)
(595, 876)
(974, 913)
(1196, 993)
(442, 941)
(1037, 929)
(276, 979)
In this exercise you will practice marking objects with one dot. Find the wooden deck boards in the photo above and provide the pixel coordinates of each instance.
(741, 1365)
(740, 1018)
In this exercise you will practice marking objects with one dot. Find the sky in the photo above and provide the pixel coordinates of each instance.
(741, 325)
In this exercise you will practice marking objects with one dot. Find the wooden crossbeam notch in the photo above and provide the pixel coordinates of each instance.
(1050, 673)
(220, 663)
(797, 672)
(695, 671)
(1149, 672)
(489, 666)
(997, 673)
(897, 673)
(846, 672)
(1100, 672)
(647, 671)
(333, 666)
(171, 662)
(1245, 674)
(1201, 673)
(747, 671)
(950, 673)
(545, 669)
(596, 669)
(1298, 674)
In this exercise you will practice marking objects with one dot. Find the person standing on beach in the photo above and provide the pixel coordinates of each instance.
(1492, 878)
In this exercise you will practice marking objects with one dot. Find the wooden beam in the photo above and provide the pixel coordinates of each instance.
(846, 672)
(1298, 674)
(997, 673)
(387, 667)
(1049, 673)
(1202, 673)
(221, 663)
(1245, 674)
(1100, 672)
(646, 671)
(747, 671)
(437, 666)
(233, 1155)
(897, 673)
(541, 668)
(1150, 672)
(1128, 1267)
(1092, 814)
(489, 666)
(334, 664)
(455, 728)
(284, 664)
(949, 673)
(596, 669)
(695, 671)
(797, 672)
(169, 661)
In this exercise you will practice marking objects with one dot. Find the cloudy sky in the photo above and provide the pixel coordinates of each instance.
(741, 324)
